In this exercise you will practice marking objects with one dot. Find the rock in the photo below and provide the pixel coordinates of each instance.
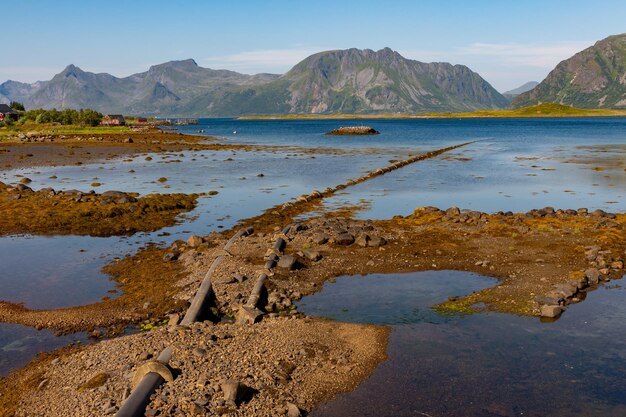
(566, 289)
(248, 315)
(173, 321)
(198, 351)
(112, 194)
(593, 276)
(293, 410)
(344, 239)
(240, 278)
(312, 255)
(582, 211)
(126, 200)
(196, 409)
(353, 130)
(453, 211)
(129, 140)
(617, 265)
(362, 240)
(299, 227)
(195, 241)
(319, 238)
(170, 256)
(551, 311)
(231, 389)
(604, 272)
(598, 213)
(376, 241)
(288, 262)
(22, 187)
(545, 299)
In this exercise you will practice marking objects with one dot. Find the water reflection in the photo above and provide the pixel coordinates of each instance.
(486, 364)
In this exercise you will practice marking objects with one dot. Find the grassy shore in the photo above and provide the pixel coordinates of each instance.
(540, 110)
(54, 130)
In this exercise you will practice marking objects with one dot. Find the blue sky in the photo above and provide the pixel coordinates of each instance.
(506, 42)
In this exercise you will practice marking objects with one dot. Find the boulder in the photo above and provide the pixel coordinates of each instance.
(288, 262)
(344, 239)
(231, 388)
(362, 240)
(453, 211)
(551, 311)
(593, 276)
(312, 255)
(195, 241)
(598, 213)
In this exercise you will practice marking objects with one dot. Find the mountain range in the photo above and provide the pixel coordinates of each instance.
(593, 78)
(511, 94)
(341, 81)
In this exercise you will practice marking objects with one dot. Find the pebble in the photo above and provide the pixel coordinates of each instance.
(293, 410)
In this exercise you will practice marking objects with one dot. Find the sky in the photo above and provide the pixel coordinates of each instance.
(507, 42)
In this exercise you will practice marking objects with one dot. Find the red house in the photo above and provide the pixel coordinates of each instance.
(7, 112)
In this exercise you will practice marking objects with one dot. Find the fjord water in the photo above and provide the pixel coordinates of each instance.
(517, 164)
(486, 364)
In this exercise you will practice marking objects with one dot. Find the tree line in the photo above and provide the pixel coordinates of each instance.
(84, 117)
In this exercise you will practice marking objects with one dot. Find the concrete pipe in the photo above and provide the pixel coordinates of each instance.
(135, 404)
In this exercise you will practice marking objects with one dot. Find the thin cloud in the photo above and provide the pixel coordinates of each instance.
(504, 65)
(541, 56)
(262, 60)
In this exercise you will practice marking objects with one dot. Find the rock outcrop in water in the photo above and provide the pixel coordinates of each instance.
(353, 130)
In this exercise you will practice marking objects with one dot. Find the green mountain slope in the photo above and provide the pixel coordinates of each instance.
(593, 78)
(345, 81)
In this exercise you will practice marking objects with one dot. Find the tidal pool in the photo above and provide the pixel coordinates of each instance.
(486, 364)
(19, 344)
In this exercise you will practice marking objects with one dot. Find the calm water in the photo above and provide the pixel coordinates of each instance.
(485, 364)
(516, 165)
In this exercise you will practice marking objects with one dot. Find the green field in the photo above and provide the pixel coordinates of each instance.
(56, 130)
(540, 110)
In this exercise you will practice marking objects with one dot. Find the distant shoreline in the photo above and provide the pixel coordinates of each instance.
(547, 110)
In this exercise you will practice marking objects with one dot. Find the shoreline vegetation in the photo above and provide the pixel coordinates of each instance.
(544, 110)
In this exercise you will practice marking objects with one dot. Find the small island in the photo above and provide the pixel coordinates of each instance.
(353, 130)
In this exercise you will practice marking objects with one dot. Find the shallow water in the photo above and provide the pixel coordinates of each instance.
(68, 267)
(496, 173)
(486, 364)
(19, 344)
(517, 164)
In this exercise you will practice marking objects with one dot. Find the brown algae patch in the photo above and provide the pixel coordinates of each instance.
(47, 212)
